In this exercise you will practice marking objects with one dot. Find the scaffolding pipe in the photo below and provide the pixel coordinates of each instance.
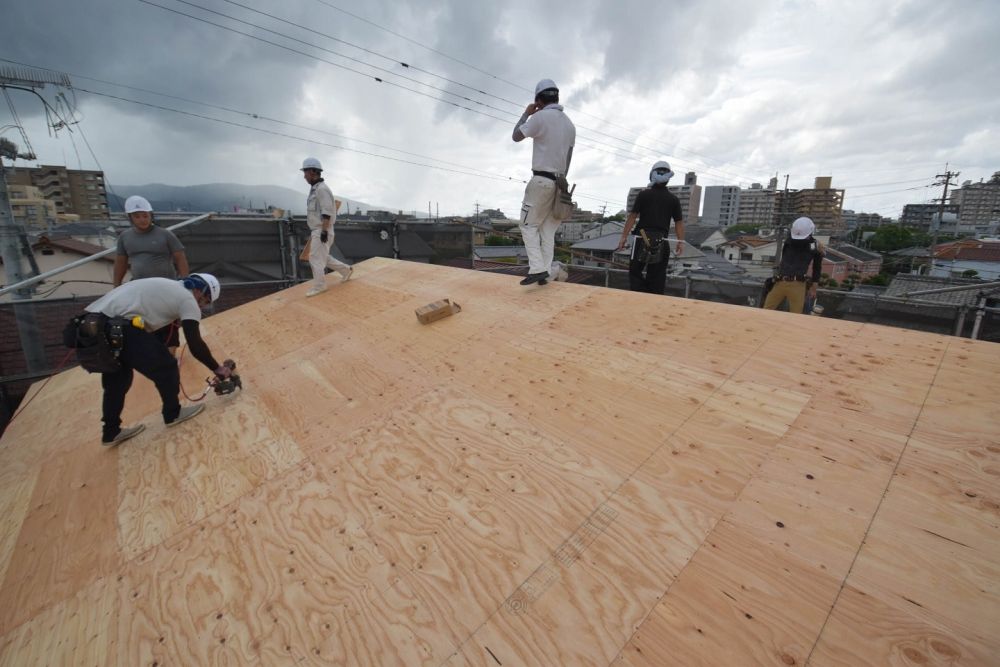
(85, 260)
(980, 312)
(960, 320)
(954, 288)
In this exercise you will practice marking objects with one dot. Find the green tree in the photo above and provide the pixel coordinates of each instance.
(495, 239)
(970, 273)
(881, 280)
(891, 237)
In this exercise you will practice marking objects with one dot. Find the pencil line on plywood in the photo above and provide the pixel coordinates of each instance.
(885, 492)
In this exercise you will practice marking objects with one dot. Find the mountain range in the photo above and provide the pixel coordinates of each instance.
(223, 197)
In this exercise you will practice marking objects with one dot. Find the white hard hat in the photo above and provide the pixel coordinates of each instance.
(803, 228)
(311, 163)
(660, 178)
(203, 281)
(545, 84)
(137, 203)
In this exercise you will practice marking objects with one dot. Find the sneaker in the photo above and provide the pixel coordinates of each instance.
(535, 278)
(344, 277)
(124, 435)
(313, 291)
(186, 413)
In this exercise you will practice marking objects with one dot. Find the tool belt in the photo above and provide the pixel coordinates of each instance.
(98, 341)
(544, 174)
(650, 246)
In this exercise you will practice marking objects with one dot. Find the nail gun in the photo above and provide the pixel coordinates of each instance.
(229, 384)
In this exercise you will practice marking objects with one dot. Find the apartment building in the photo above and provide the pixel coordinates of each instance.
(73, 191)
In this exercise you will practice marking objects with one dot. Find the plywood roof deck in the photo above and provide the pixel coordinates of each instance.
(563, 475)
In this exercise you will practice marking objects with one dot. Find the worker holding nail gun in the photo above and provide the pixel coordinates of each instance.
(116, 336)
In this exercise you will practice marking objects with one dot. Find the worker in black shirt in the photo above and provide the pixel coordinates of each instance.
(793, 276)
(655, 207)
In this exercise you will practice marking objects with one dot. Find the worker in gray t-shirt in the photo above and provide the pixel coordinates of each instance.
(150, 251)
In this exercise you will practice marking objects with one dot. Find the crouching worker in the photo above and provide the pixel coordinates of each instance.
(124, 331)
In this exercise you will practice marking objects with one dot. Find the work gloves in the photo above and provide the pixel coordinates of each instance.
(323, 236)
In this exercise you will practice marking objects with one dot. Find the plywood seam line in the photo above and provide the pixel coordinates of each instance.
(611, 496)
(722, 517)
(885, 492)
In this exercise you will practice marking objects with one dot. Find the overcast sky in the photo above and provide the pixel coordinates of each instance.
(879, 94)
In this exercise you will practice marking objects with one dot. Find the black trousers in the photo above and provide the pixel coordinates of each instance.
(146, 353)
(655, 279)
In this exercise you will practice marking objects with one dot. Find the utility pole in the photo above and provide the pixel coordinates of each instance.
(947, 176)
(782, 221)
(472, 238)
(11, 249)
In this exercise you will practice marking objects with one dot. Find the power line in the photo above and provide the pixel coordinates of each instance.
(290, 136)
(887, 192)
(256, 116)
(321, 143)
(423, 46)
(461, 168)
(511, 115)
(493, 76)
(370, 51)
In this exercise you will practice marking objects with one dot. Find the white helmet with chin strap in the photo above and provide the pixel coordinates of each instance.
(311, 163)
(205, 283)
(137, 203)
(660, 173)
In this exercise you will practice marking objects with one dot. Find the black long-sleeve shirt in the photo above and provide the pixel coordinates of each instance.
(796, 255)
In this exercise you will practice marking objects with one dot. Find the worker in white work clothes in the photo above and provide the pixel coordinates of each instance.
(554, 136)
(321, 214)
(118, 335)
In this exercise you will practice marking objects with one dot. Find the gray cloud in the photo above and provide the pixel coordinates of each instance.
(752, 88)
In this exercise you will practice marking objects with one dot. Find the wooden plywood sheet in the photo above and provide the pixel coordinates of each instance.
(557, 475)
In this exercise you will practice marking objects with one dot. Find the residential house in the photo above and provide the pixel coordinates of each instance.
(89, 279)
(959, 257)
(704, 237)
(863, 262)
(754, 254)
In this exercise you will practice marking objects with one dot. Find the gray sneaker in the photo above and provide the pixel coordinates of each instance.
(346, 275)
(186, 413)
(124, 435)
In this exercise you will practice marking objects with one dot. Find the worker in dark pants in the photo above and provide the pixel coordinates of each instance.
(800, 269)
(133, 317)
(655, 207)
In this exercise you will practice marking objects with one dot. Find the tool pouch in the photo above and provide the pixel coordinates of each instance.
(653, 251)
(88, 334)
(563, 207)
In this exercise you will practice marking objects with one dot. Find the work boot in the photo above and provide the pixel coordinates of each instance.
(124, 435)
(313, 291)
(186, 413)
(346, 275)
(535, 278)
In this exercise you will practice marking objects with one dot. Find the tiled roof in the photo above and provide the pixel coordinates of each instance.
(969, 249)
(71, 245)
(903, 283)
(857, 253)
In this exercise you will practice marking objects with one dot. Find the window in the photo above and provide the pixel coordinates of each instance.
(747, 256)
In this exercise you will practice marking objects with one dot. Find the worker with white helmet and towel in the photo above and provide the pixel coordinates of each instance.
(554, 135)
(321, 214)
